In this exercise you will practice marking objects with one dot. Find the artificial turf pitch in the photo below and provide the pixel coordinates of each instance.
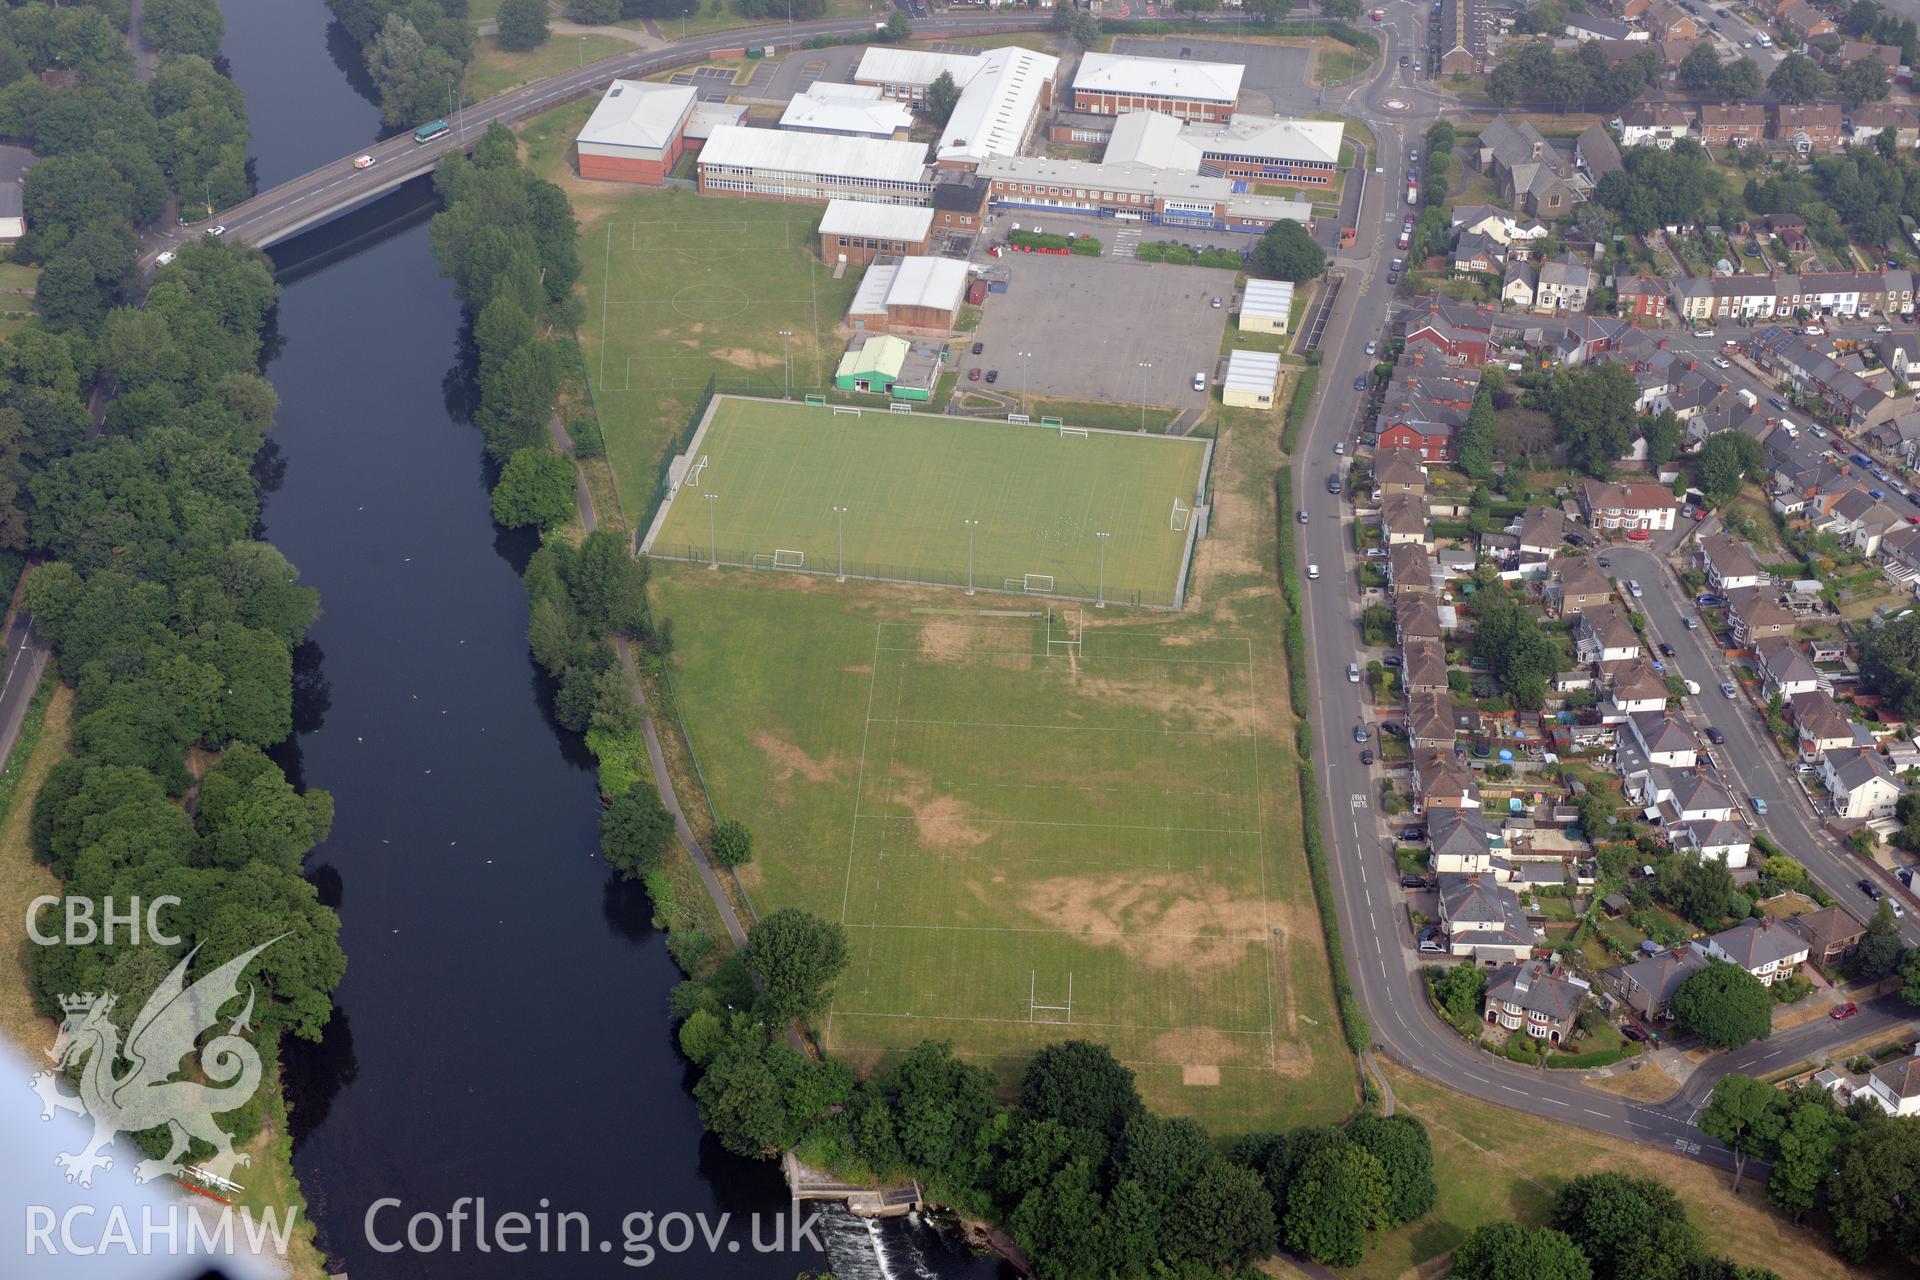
(773, 484)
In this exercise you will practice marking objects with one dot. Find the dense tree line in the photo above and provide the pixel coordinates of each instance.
(1581, 77)
(416, 51)
(1703, 72)
(1660, 188)
(173, 623)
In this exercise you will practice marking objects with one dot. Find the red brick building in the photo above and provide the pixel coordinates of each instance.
(1433, 441)
(1111, 84)
(637, 133)
(1644, 297)
(1737, 124)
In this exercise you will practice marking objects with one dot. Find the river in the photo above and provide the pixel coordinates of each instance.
(502, 1029)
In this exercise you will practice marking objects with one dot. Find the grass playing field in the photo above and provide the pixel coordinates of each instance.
(780, 484)
(682, 287)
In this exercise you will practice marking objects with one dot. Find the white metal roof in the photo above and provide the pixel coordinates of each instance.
(870, 299)
(886, 221)
(1141, 178)
(997, 105)
(1166, 77)
(856, 112)
(1269, 208)
(1272, 298)
(1253, 371)
(774, 149)
(890, 64)
(638, 113)
(1152, 138)
(1269, 138)
(928, 282)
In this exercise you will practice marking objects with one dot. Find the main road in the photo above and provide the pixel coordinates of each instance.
(314, 197)
(1384, 968)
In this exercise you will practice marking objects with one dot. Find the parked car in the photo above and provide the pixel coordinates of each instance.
(1715, 736)
(1413, 882)
(1372, 346)
(1216, 302)
(1726, 689)
(1875, 494)
(1778, 403)
(1339, 446)
(1637, 535)
(1869, 888)
(1708, 601)
(978, 347)
(166, 256)
(1366, 756)
(1199, 381)
(1666, 650)
(1353, 673)
(1333, 483)
(1391, 660)
(1905, 874)
(973, 374)
(1693, 624)
(1633, 1033)
(993, 375)
(1633, 588)
(1393, 727)
(1432, 947)
(1759, 806)
(1360, 383)
(1411, 833)
(1844, 1011)
(1573, 540)
(1360, 733)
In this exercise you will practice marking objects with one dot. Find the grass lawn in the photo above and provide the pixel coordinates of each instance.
(1108, 819)
(19, 277)
(1338, 63)
(716, 15)
(41, 745)
(494, 70)
(1494, 1164)
(794, 486)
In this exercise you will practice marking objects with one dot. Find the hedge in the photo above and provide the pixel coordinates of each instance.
(1351, 1020)
(1303, 388)
(1085, 246)
(1180, 256)
(1582, 1061)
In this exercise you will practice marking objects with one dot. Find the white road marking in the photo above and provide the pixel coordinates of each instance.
(1590, 1111)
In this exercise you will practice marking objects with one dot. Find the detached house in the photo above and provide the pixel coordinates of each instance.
(1483, 920)
(1563, 285)
(1525, 168)
(1532, 996)
(1648, 985)
(1896, 1086)
(1603, 634)
(1729, 565)
(1663, 739)
(1764, 948)
(1832, 934)
(1861, 784)
(1753, 616)
(1785, 668)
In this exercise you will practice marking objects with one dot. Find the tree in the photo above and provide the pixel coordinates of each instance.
(523, 24)
(1742, 1113)
(1079, 1083)
(798, 957)
(1509, 1251)
(1700, 69)
(1881, 950)
(1724, 1005)
(1475, 451)
(536, 488)
(1459, 990)
(635, 831)
(1910, 977)
(183, 26)
(1518, 652)
(1799, 78)
(1287, 252)
(1874, 1196)
(1863, 80)
(1592, 408)
(1725, 461)
(1740, 78)
(898, 26)
(594, 13)
(1701, 889)
(1224, 1217)
(942, 96)
(608, 585)
(1339, 1195)
(1663, 431)
(1811, 1133)
(732, 844)
(1399, 1143)
(1629, 1228)
(1889, 663)
(411, 74)
(1081, 25)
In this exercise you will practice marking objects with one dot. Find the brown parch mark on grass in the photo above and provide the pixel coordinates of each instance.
(1165, 921)
(942, 823)
(1200, 1075)
(788, 760)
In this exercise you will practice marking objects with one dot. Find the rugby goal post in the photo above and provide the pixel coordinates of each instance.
(1182, 513)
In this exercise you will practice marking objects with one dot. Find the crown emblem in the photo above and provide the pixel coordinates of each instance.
(81, 1003)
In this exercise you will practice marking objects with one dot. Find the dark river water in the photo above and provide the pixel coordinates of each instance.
(501, 1033)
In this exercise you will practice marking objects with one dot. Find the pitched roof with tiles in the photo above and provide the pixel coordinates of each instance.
(1661, 733)
(1418, 619)
(1729, 556)
(1438, 772)
(1607, 626)
(1901, 1078)
(1404, 513)
(1828, 928)
(1753, 944)
(1660, 976)
(1398, 467)
(1430, 715)
(1819, 717)
(1535, 988)
(1785, 661)
(1756, 608)
(1460, 832)
(1426, 664)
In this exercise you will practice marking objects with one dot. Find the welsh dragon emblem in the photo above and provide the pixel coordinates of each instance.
(145, 1095)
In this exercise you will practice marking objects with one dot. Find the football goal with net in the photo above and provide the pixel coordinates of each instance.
(1182, 513)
